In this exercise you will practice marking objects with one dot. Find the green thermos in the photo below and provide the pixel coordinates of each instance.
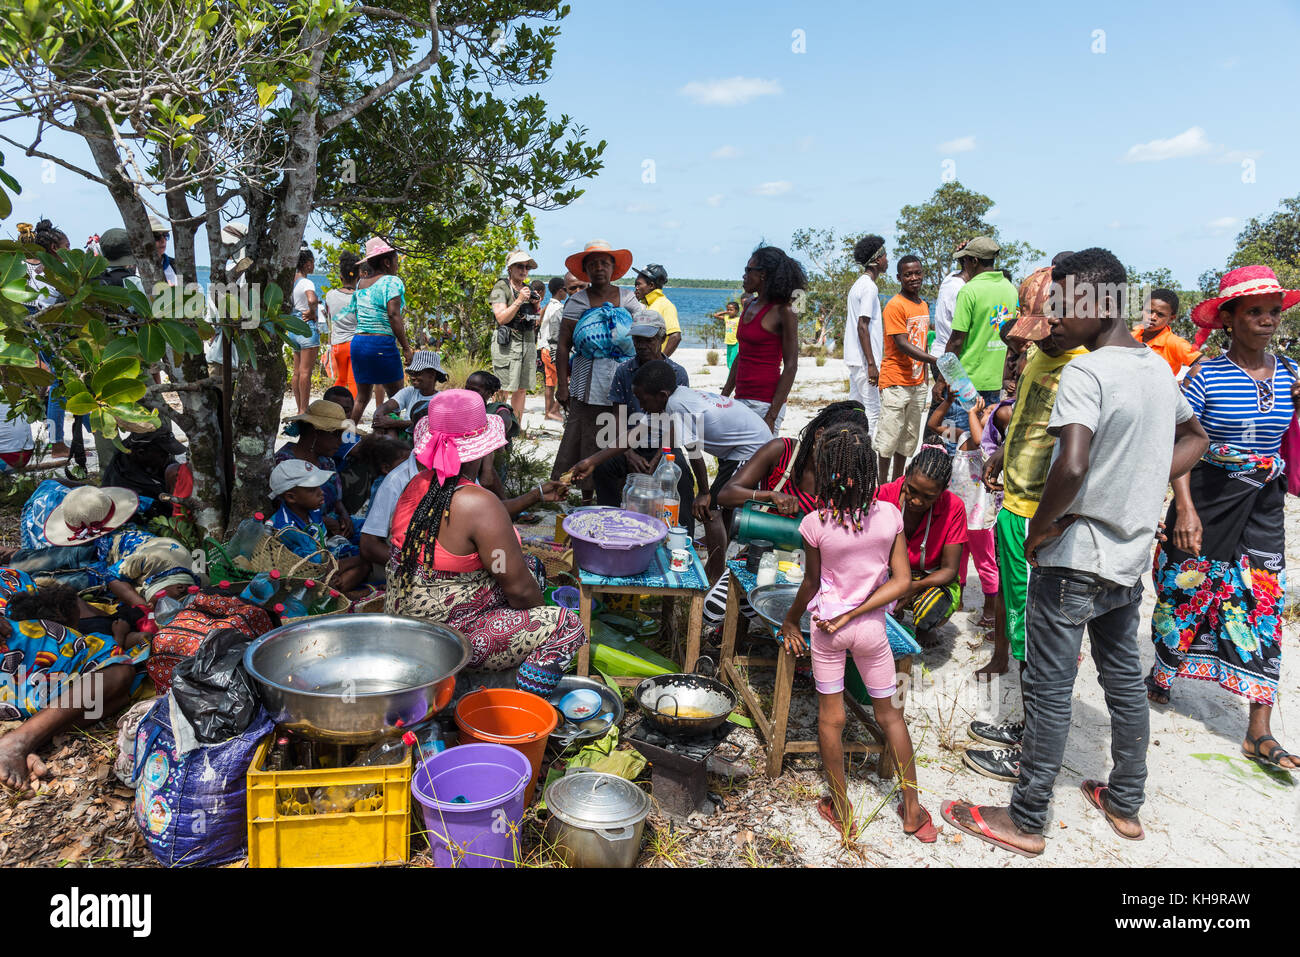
(752, 522)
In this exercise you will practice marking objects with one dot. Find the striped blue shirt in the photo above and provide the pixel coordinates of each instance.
(1228, 403)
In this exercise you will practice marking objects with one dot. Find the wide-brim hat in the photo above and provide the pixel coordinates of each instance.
(456, 429)
(376, 247)
(115, 247)
(88, 513)
(519, 256)
(325, 415)
(622, 259)
(1243, 281)
(981, 247)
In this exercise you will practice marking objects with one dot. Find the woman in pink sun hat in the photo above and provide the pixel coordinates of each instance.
(1220, 576)
(456, 558)
(379, 347)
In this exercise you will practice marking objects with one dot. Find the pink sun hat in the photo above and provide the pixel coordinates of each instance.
(375, 247)
(455, 430)
(1243, 281)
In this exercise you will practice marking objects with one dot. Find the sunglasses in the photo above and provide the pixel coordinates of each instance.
(749, 269)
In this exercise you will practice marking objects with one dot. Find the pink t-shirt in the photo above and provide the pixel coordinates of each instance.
(854, 563)
(946, 521)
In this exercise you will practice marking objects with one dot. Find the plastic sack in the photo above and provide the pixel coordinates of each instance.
(213, 690)
(192, 809)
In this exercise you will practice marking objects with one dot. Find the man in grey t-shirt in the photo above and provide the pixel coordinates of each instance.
(1123, 432)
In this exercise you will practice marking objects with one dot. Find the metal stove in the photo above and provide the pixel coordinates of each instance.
(678, 766)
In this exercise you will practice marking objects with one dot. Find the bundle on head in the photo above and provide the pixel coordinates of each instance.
(847, 474)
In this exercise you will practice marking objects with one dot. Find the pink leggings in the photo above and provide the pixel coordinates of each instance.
(981, 549)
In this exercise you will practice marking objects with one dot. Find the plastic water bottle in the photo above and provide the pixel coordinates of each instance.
(667, 475)
(262, 588)
(335, 799)
(166, 607)
(295, 603)
(247, 536)
(954, 373)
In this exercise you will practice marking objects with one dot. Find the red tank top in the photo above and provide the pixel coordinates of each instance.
(758, 363)
(807, 503)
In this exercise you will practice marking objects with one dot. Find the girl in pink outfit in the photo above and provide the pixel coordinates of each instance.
(856, 567)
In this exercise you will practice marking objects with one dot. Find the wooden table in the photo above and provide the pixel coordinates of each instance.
(772, 727)
(659, 580)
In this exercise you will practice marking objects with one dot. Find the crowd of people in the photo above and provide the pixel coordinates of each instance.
(1045, 458)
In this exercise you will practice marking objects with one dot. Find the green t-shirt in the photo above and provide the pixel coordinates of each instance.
(983, 304)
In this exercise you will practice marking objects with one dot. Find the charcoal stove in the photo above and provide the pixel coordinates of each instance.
(678, 766)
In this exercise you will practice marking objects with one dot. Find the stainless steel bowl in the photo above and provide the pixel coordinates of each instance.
(351, 678)
(610, 702)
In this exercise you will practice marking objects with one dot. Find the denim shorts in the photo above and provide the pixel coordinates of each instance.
(309, 341)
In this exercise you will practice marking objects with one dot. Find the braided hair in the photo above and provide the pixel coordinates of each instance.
(846, 410)
(422, 531)
(847, 474)
(932, 462)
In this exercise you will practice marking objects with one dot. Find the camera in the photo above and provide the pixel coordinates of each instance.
(525, 319)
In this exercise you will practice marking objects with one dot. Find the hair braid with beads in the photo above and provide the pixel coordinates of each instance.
(932, 462)
(846, 410)
(422, 531)
(847, 476)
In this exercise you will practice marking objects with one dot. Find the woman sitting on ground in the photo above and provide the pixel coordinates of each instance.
(934, 521)
(456, 558)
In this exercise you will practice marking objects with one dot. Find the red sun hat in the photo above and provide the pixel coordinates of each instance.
(1242, 281)
(622, 259)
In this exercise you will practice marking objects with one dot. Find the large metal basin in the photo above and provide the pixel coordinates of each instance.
(352, 678)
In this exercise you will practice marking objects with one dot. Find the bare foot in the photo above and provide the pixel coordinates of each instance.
(18, 767)
(999, 824)
(998, 665)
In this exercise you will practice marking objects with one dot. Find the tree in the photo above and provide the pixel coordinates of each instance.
(831, 270)
(207, 111)
(954, 213)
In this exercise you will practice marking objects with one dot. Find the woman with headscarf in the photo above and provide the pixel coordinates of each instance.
(596, 328)
(457, 559)
(1220, 575)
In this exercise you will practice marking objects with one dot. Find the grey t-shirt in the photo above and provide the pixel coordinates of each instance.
(1130, 401)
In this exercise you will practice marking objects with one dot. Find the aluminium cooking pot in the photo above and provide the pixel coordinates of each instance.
(597, 819)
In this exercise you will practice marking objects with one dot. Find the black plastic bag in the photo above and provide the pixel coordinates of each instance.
(213, 690)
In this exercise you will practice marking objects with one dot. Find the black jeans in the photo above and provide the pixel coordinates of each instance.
(1062, 602)
(611, 475)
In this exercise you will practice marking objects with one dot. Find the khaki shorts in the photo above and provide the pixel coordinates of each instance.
(516, 364)
(902, 412)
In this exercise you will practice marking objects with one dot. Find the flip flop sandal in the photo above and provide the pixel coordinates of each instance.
(1155, 693)
(983, 833)
(1272, 760)
(927, 833)
(826, 808)
(1092, 792)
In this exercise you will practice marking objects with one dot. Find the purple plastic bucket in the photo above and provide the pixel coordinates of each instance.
(481, 830)
(614, 542)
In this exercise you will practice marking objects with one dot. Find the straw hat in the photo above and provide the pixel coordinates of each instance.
(457, 429)
(88, 513)
(325, 415)
(1243, 281)
(622, 259)
(376, 247)
(519, 256)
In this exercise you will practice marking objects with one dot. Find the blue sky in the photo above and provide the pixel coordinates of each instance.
(1138, 148)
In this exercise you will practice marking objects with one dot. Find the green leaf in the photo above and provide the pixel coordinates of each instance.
(265, 94)
(87, 356)
(121, 346)
(181, 337)
(152, 344)
(121, 391)
(123, 367)
(81, 403)
(98, 331)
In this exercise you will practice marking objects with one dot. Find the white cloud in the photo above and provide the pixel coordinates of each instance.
(714, 250)
(993, 213)
(714, 200)
(963, 144)
(1190, 142)
(632, 209)
(804, 144)
(568, 243)
(774, 187)
(725, 152)
(1113, 224)
(1237, 156)
(735, 91)
(1223, 224)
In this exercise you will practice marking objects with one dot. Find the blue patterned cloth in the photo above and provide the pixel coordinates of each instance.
(901, 640)
(110, 549)
(658, 575)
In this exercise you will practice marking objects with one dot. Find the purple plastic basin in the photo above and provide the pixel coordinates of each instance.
(614, 542)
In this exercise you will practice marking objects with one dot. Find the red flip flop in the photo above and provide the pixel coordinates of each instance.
(1092, 793)
(983, 833)
(826, 808)
(927, 833)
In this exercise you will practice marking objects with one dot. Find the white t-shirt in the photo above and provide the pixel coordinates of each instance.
(407, 398)
(341, 330)
(864, 300)
(549, 329)
(300, 305)
(384, 503)
(944, 304)
(723, 427)
(15, 435)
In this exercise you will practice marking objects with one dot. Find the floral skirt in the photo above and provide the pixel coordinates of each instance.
(501, 638)
(1218, 615)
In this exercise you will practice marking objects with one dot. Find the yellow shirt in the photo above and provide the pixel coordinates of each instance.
(731, 324)
(656, 300)
(1028, 455)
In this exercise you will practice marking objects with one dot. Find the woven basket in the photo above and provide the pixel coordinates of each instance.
(556, 560)
(341, 604)
(222, 565)
(372, 601)
(271, 554)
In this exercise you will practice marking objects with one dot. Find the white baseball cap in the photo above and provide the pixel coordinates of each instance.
(295, 473)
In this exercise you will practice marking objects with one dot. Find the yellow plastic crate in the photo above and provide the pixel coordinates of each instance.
(279, 836)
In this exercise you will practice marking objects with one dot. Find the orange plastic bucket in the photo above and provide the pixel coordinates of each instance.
(506, 716)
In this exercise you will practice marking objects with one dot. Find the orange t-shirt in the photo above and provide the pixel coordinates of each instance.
(1175, 350)
(912, 319)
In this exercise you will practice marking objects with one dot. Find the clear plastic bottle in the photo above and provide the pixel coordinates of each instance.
(339, 798)
(166, 607)
(262, 588)
(247, 536)
(667, 475)
(767, 570)
(954, 373)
